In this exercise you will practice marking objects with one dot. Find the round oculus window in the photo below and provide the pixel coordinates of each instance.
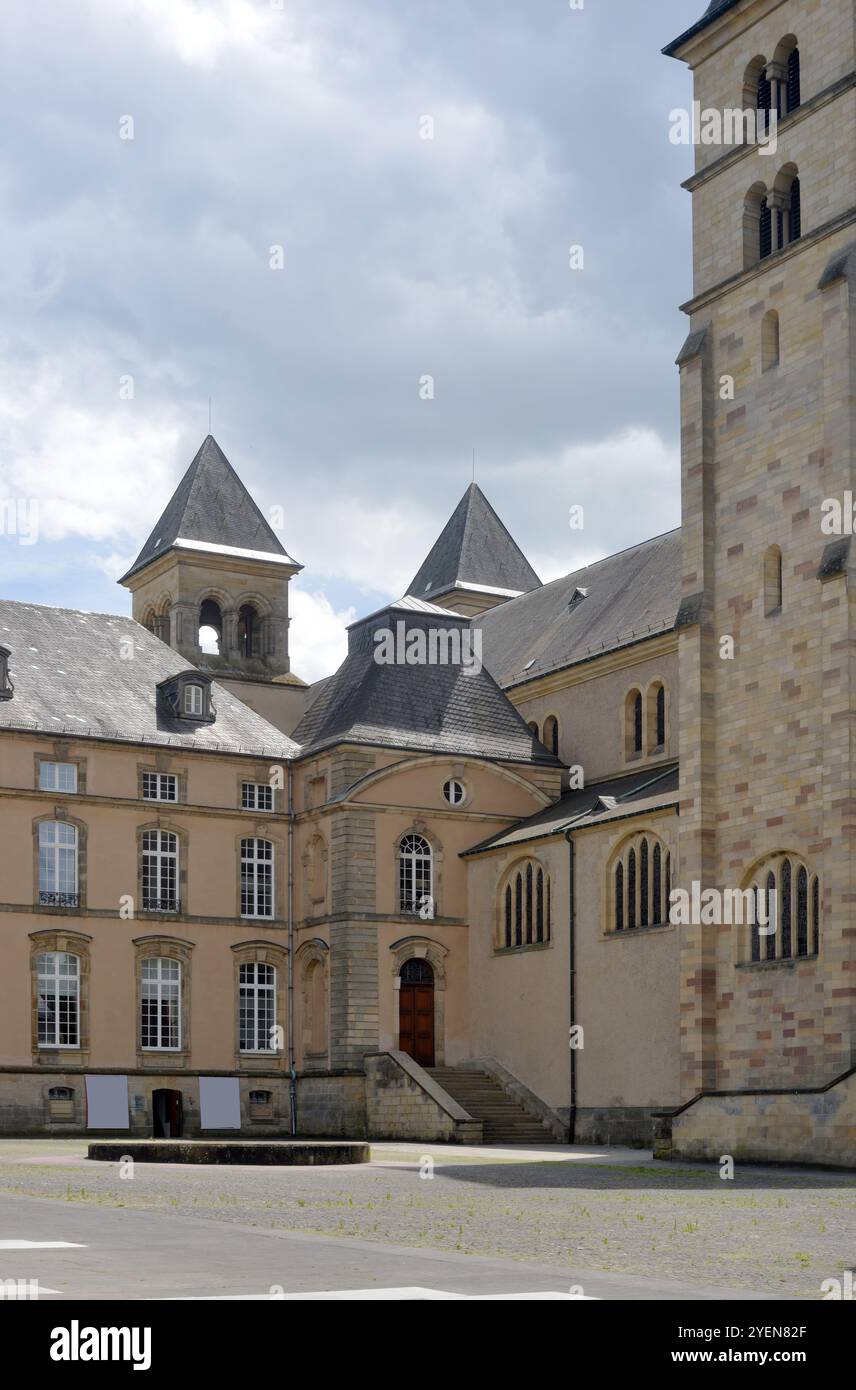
(454, 792)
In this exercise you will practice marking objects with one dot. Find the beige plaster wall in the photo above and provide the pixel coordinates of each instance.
(590, 709)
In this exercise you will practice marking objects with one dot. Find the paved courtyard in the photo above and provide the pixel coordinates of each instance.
(607, 1223)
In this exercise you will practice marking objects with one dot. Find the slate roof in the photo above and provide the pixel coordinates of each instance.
(713, 11)
(71, 678)
(633, 794)
(474, 549)
(211, 506)
(431, 708)
(628, 596)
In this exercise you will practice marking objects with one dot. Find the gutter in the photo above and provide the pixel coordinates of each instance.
(572, 979)
(292, 1074)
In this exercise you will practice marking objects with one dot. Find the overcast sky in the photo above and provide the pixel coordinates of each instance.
(302, 127)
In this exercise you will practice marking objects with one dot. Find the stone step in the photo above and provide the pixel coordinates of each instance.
(504, 1119)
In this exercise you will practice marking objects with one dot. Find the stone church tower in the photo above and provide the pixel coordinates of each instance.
(212, 582)
(767, 632)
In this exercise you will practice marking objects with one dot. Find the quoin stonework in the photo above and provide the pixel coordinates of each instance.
(432, 899)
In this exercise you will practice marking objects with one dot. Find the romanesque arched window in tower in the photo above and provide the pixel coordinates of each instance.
(249, 631)
(551, 734)
(773, 592)
(763, 100)
(639, 883)
(508, 933)
(785, 894)
(210, 637)
(770, 342)
(765, 230)
(794, 97)
(784, 75)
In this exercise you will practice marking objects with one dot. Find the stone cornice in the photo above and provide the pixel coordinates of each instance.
(774, 262)
(591, 667)
(785, 124)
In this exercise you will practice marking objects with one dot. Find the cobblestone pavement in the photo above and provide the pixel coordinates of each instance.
(776, 1232)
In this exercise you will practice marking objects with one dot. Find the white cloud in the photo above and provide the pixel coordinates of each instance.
(317, 640)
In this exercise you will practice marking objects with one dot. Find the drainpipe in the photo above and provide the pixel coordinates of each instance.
(292, 1074)
(572, 977)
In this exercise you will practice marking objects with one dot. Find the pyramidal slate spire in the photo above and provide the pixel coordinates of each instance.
(474, 563)
(212, 582)
(212, 507)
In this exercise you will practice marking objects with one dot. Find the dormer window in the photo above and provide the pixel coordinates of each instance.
(7, 689)
(193, 702)
(187, 696)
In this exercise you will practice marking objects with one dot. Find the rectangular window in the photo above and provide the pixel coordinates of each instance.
(193, 699)
(160, 871)
(58, 864)
(160, 786)
(160, 1005)
(59, 1000)
(58, 777)
(256, 878)
(257, 1008)
(256, 796)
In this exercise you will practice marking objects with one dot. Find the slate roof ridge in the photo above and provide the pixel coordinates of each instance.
(614, 555)
(563, 823)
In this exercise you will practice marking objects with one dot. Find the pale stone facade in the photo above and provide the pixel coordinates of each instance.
(471, 872)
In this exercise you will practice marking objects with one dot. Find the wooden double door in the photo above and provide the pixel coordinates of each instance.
(416, 1012)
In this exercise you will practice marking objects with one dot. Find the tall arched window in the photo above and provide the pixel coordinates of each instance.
(640, 877)
(763, 101)
(533, 728)
(58, 864)
(58, 991)
(525, 906)
(656, 717)
(257, 893)
(210, 637)
(248, 631)
(770, 346)
(633, 724)
(765, 230)
(786, 897)
(551, 734)
(415, 875)
(794, 95)
(160, 871)
(772, 581)
(160, 1004)
(256, 1007)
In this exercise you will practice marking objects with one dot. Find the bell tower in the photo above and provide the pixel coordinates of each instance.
(767, 621)
(212, 582)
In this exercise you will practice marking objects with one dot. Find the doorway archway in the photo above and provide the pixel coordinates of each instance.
(416, 1012)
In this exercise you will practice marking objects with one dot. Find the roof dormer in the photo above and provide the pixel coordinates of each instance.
(187, 697)
(7, 689)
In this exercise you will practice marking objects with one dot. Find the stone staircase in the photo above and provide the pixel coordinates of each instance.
(503, 1118)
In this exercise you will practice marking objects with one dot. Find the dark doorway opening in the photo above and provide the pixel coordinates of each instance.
(166, 1114)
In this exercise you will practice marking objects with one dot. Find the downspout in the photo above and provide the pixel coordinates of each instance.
(292, 1074)
(572, 979)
